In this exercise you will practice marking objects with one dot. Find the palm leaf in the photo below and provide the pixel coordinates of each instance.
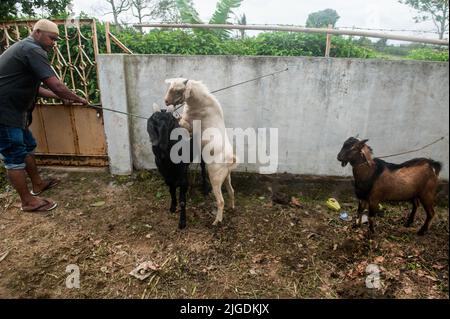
(187, 12)
(223, 12)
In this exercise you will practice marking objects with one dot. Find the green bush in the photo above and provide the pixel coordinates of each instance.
(428, 55)
(268, 43)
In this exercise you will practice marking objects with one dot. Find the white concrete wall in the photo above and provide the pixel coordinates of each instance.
(316, 105)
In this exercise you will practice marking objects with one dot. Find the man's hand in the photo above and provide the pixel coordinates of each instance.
(71, 102)
(83, 101)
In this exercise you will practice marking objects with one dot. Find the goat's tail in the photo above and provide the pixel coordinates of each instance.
(437, 166)
(234, 163)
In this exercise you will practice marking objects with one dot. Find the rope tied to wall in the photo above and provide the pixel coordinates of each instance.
(413, 151)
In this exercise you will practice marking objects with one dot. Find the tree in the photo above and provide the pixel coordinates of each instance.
(12, 9)
(381, 44)
(117, 7)
(224, 10)
(363, 41)
(164, 10)
(322, 18)
(138, 9)
(436, 10)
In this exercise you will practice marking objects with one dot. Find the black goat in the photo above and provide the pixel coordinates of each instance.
(159, 127)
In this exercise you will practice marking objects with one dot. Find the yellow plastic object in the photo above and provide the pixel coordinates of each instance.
(333, 204)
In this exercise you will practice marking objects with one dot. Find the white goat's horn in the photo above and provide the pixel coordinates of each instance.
(156, 108)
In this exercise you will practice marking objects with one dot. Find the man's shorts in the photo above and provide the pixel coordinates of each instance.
(15, 144)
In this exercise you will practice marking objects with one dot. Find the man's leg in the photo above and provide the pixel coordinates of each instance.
(30, 161)
(14, 151)
(18, 180)
(32, 171)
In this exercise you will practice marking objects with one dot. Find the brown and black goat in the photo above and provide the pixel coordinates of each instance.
(376, 180)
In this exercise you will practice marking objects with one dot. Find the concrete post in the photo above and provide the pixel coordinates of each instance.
(113, 88)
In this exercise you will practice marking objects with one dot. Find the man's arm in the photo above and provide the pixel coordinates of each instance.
(47, 93)
(61, 91)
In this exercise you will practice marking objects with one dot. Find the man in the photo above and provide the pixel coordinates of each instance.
(23, 67)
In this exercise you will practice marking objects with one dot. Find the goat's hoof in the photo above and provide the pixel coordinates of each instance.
(355, 225)
(173, 209)
(214, 213)
(407, 224)
(216, 222)
(182, 226)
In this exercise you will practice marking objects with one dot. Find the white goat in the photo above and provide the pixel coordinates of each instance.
(201, 105)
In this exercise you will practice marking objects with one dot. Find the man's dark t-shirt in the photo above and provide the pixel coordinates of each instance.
(22, 68)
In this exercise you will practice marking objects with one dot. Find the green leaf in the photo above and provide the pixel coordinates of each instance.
(187, 12)
(98, 204)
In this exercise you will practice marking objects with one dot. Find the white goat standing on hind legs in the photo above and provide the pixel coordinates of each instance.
(201, 105)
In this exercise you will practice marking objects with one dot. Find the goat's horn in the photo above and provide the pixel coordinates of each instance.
(156, 108)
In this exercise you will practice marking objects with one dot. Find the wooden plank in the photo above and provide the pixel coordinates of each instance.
(58, 129)
(71, 160)
(108, 40)
(120, 44)
(89, 127)
(328, 46)
(38, 130)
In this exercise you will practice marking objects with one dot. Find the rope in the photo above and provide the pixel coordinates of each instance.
(255, 79)
(240, 83)
(419, 149)
(97, 106)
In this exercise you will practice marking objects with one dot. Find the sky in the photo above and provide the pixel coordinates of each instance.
(367, 14)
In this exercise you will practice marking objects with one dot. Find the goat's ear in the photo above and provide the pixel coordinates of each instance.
(360, 144)
(156, 108)
(187, 91)
(366, 153)
(152, 132)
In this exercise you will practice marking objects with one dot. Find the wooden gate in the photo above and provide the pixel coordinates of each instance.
(67, 134)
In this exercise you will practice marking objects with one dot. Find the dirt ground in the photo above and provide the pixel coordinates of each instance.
(109, 225)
